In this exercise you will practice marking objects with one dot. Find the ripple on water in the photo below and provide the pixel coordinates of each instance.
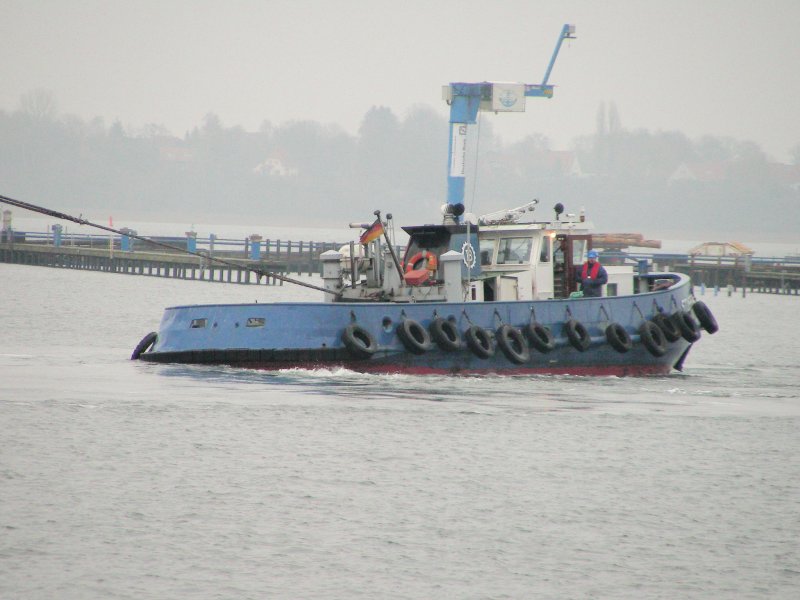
(133, 480)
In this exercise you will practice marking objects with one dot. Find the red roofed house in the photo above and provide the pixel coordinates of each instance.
(701, 171)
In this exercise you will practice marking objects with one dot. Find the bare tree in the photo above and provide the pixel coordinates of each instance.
(39, 104)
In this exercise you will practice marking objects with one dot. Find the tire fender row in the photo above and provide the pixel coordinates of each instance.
(516, 343)
(664, 329)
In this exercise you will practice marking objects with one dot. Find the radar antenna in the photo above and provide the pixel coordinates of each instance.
(504, 217)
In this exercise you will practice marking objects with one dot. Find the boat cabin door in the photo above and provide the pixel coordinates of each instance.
(568, 256)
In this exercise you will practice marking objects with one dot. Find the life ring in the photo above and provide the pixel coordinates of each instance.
(144, 345)
(688, 326)
(426, 255)
(479, 341)
(578, 335)
(618, 338)
(511, 341)
(414, 336)
(445, 333)
(540, 337)
(668, 327)
(653, 338)
(358, 341)
(703, 314)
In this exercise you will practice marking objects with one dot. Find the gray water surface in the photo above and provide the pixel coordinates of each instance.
(121, 479)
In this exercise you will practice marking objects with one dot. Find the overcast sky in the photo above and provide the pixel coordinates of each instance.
(719, 67)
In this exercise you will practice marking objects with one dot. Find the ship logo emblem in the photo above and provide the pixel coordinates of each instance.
(469, 254)
(508, 98)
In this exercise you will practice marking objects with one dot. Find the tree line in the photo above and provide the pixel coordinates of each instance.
(309, 173)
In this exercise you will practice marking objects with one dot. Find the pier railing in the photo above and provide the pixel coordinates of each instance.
(774, 275)
(124, 254)
(243, 247)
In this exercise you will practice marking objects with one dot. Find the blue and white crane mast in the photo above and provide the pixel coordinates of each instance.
(466, 99)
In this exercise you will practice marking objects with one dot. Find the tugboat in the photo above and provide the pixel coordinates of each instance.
(497, 294)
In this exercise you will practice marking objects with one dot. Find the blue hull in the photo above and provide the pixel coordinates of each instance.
(310, 335)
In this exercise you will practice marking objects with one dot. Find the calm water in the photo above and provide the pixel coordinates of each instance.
(122, 479)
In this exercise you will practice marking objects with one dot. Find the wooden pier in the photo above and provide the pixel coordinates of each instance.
(243, 258)
(153, 264)
(766, 276)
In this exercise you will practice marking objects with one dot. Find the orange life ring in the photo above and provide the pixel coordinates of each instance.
(424, 255)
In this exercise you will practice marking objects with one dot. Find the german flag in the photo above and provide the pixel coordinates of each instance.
(373, 233)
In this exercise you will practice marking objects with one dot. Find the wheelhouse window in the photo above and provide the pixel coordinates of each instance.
(514, 251)
(198, 323)
(544, 249)
(578, 251)
(487, 252)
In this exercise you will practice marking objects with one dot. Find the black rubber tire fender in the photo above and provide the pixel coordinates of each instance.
(445, 333)
(619, 338)
(511, 341)
(358, 341)
(578, 335)
(479, 341)
(540, 337)
(668, 327)
(705, 317)
(144, 345)
(688, 326)
(653, 338)
(414, 336)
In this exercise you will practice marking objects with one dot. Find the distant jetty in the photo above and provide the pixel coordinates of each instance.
(121, 254)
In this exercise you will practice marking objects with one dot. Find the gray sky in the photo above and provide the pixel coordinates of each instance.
(720, 67)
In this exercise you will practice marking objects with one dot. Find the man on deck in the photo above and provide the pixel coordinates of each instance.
(593, 276)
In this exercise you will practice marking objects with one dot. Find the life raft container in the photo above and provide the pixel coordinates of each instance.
(511, 341)
(358, 341)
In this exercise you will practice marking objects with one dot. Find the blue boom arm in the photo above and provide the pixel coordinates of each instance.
(466, 99)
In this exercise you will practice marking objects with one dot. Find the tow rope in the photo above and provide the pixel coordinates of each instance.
(81, 221)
